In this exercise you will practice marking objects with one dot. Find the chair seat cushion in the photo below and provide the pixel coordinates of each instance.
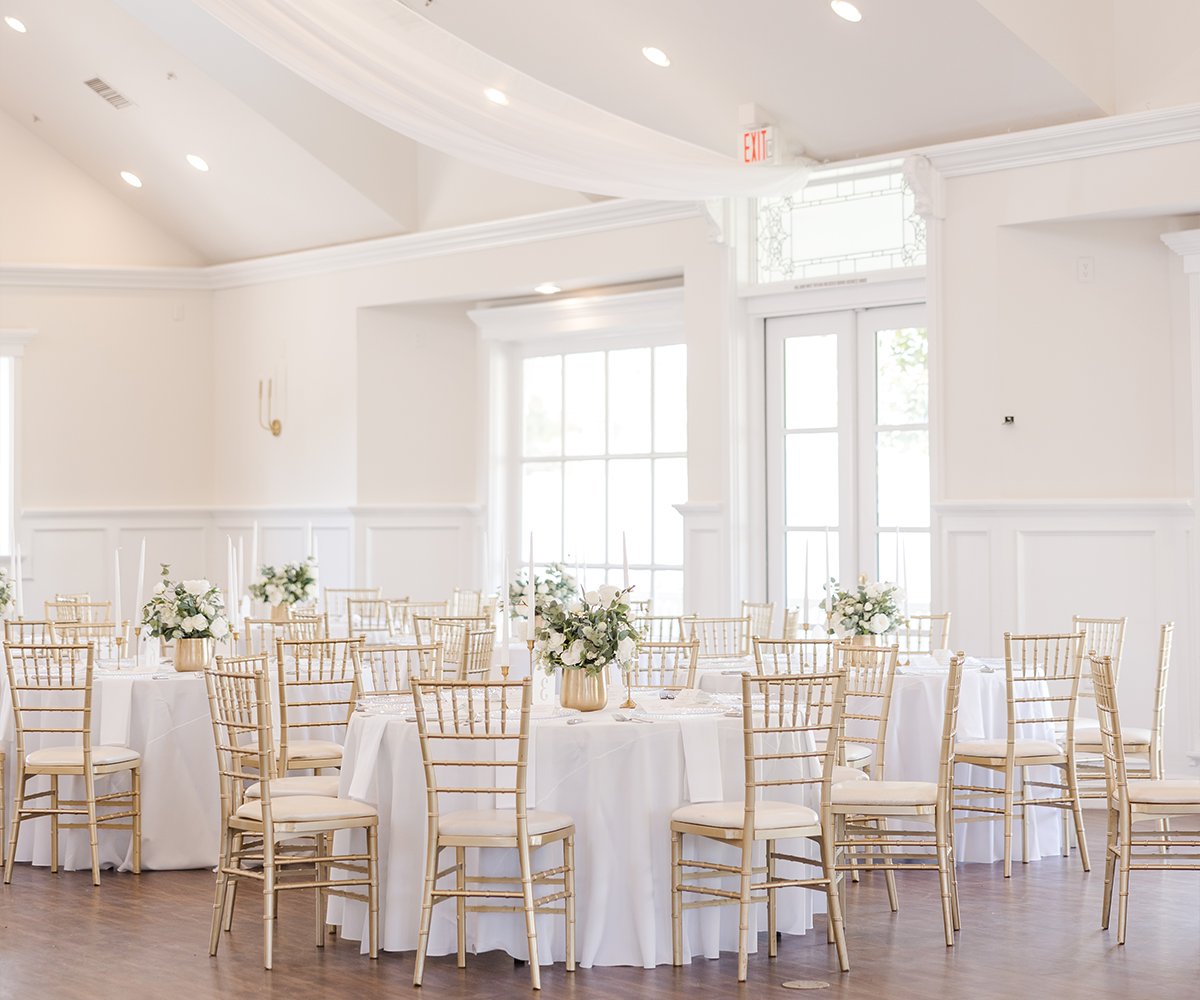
(307, 809)
(768, 815)
(850, 774)
(885, 793)
(1088, 737)
(856, 751)
(999, 748)
(1173, 791)
(73, 756)
(499, 822)
(306, 749)
(314, 784)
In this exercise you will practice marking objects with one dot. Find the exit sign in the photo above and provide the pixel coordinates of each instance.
(760, 145)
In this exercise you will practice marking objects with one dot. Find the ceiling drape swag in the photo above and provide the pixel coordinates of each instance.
(396, 67)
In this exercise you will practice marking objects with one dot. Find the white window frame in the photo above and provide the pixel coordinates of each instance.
(12, 346)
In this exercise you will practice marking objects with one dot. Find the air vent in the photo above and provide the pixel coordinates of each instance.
(114, 98)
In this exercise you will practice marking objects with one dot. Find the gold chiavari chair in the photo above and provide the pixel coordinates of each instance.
(1042, 687)
(468, 714)
(641, 609)
(1104, 637)
(334, 599)
(261, 634)
(720, 637)
(779, 753)
(1131, 802)
(79, 611)
(476, 663)
(667, 666)
(83, 598)
(391, 666)
(466, 603)
(489, 607)
(793, 623)
(762, 617)
(254, 830)
(28, 632)
(861, 806)
(368, 617)
(319, 685)
(450, 632)
(107, 637)
(51, 690)
(659, 628)
(1145, 746)
(794, 656)
(405, 612)
(924, 633)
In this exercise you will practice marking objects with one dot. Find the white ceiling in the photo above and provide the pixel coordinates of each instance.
(293, 168)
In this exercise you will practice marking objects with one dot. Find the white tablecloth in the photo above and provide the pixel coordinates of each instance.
(619, 781)
(167, 721)
(913, 747)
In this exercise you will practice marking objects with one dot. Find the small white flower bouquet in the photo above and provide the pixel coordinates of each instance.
(556, 585)
(6, 592)
(587, 634)
(872, 609)
(292, 583)
(190, 609)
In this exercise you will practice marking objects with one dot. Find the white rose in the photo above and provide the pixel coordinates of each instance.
(626, 649)
(556, 640)
(575, 606)
(220, 628)
(875, 590)
(898, 593)
(196, 587)
(879, 624)
(839, 628)
(592, 597)
(573, 654)
(607, 593)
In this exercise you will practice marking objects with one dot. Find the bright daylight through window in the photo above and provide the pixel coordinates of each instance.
(604, 460)
(844, 222)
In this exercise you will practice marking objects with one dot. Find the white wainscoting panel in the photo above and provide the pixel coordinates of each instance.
(706, 574)
(1029, 566)
(422, 551)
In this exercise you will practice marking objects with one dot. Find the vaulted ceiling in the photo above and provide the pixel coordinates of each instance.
(294, 168)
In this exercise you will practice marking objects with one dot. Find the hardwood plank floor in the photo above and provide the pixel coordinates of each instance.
(1037, 934)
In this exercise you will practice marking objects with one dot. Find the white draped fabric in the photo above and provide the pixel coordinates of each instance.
(396, 67)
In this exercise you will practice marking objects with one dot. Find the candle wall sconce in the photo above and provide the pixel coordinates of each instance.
(271, 423)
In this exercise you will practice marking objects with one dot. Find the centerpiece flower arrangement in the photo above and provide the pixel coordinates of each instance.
(871, 609)
(583, 637)
(292, 583)
(191, 613)
(555, 585)
(6, 592)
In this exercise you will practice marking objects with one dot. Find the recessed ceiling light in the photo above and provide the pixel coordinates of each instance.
(656, 56)
(846, 10)
(496, 96)
(196, 162)
(133, 180)
(548, 288)
(16, 25)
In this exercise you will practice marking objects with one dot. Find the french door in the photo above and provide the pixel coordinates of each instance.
(848, 475)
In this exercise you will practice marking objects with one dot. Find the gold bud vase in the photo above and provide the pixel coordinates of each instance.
(281, 612)
(583, 691)
(193, 654)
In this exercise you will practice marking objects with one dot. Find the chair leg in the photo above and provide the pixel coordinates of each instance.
(221, 900)
(1110, 864)
(676, 899)
(944, 873)
(1123, 897)
(18, 804)
(431, 863)
(744, 911)
(569, 863)
(136, 788)
(833, 900)
(54, 823)
(1066, 835)
(1009, 777)
(772, 947)
(523, 853)
(1025, 800)
(1077, 812)
(460, 882)
(373, 890)
(269, 899)
(90, 784)
(229, 904)
(321, 871)
(888, 875)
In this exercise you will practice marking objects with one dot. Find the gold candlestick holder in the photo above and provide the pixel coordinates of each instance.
(137, 647)
(628, 702)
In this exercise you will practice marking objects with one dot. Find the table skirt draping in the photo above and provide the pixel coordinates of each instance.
(620, 783)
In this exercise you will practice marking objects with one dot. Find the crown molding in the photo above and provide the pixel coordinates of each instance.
(657, 309)
(583, 220)
(13, 341)
(1072, 141)
(1186, 243)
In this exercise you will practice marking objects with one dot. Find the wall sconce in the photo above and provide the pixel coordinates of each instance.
(270, 424)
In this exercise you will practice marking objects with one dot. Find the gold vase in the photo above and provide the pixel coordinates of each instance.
(281, 612)
(193, 654)
(584, 691)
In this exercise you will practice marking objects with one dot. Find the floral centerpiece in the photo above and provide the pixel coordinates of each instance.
(292, 583)
(191, 613)
(555, 585)
(6, 592)
(583, 637)
(871, 609)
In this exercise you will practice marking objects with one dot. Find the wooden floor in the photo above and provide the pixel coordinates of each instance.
(1036, 935)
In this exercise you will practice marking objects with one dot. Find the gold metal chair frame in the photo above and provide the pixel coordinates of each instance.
(466, 712)
(404, 611)
(307, 665)
(762, 617)
(720, 637)
(659, 628)
(659, 665)
(340, 595)
(794, 656)
(66, 668)
(796, 708)
(392, 666)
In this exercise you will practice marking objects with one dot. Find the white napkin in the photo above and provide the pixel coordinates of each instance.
(367, 757)
(116, 703)
(702, 758)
